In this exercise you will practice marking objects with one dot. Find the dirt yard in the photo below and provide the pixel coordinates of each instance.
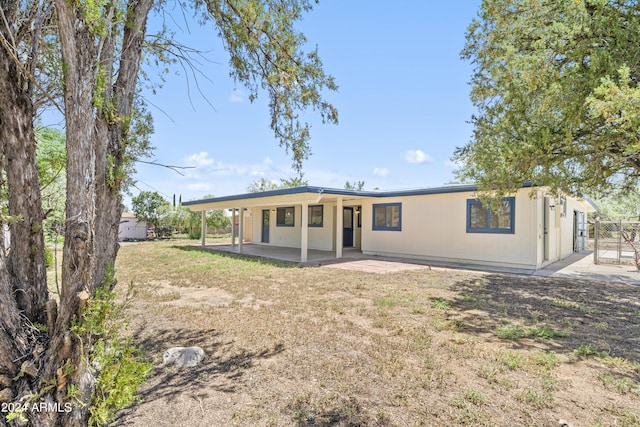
(320, 346)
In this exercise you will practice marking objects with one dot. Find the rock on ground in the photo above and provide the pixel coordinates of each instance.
(183, 357)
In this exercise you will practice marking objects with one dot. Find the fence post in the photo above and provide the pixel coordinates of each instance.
(619, 242)
(596, 231)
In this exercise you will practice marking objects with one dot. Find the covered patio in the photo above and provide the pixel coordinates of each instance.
(258, 212)
(287, 254)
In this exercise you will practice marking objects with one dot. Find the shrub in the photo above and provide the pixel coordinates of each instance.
(48, 257)
(120, 367)
(195, 233)
(510, 332)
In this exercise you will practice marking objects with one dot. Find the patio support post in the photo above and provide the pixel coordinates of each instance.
(204, 228)
(233, 227)
(241, 231)
(304, 232)
(339, 227)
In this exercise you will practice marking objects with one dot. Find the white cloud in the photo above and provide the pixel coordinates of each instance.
(417, 156)
(206, 169)
(236, 96)
(199, 160)
(203, 166)
(383, 172)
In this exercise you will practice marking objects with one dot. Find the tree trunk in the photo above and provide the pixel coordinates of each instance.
(96, 141)
(79, 51)
(112, 137)
(23, 287)
(25, 261)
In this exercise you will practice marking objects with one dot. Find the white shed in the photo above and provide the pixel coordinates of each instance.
(131, 228)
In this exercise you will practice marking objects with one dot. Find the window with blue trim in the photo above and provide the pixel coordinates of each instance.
(285, 217)
(387, 216)
(481, 219)
(316, 216)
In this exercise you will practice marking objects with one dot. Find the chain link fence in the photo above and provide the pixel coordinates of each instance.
(616, 242)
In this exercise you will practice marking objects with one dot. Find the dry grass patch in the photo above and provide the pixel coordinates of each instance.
(294, 346)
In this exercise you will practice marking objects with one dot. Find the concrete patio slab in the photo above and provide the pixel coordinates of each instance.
(577, 266)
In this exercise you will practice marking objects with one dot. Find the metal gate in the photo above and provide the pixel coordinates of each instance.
(616, 242)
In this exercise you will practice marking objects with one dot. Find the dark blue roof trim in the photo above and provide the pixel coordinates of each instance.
(460, 188)
(337, 192)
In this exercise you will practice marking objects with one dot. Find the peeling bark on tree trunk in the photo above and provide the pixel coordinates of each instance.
(23, 287)
(95, 155)
(95, 152)
(111, 138)
(80, 71)
(25, 262)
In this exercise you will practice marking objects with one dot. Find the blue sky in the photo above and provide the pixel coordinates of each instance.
(403, 102)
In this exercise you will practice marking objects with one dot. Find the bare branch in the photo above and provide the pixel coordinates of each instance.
(189, 59)
(172, 167)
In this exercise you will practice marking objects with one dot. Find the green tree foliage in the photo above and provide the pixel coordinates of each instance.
(356, 185)
(267, 54)
(261, 185)
(555, 87)
(51, 157)
(616, 207)
(265, 185)
(217, 220)
(183, 220)
(149, 207)
(176, 218)
(297, 181)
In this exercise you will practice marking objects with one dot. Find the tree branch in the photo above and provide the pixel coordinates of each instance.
(172, 167)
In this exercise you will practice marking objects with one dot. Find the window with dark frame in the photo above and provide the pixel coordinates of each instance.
(482, 219)
(387, 216)
(285, 217)
(316, 216)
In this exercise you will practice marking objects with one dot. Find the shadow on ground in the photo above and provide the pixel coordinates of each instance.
(222, 369)
(244, 257)
(603, 315)
(341, 411)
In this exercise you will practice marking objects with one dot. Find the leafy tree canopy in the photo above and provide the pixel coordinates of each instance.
(261, 185)
(264, 184)
(620, 207)
(51, 157)
(148, 207)
(555, 85)
(356, 185)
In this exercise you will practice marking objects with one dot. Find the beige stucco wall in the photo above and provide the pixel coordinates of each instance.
(560, 226)
(320, 238)
(434, 227)
(567, 229)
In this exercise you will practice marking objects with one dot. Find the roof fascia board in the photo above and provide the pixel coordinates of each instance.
(311, 194)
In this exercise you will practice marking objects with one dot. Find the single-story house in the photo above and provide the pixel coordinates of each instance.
(131, 228)
(448, 224)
